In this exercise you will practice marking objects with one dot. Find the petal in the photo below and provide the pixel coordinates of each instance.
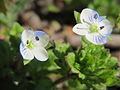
(27, 35)
(43, 38)
(80, 29)
(88, 16)
(107, 30)
(100, 18)
(96, 38)
(26, 53)
(40, 54)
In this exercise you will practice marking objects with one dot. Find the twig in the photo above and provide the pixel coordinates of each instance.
(58, 81)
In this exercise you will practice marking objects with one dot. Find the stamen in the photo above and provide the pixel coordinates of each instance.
(27, 42)
(37, 38)
(95, 16)
(93, 28)
(101, 27)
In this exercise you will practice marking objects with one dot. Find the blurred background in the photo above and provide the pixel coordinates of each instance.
(56, 18)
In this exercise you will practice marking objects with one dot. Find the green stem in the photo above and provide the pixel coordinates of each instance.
(61, 80)
(81, 46)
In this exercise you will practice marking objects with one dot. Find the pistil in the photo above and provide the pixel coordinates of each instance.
(93, 28)
(29, 44)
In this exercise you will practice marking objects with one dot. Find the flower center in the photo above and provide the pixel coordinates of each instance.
(93, 28)
(29, 44)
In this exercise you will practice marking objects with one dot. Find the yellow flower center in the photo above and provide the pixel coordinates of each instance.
(29, 44)
(93, 28)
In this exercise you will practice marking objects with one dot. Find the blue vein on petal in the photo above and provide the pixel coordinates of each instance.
(100, 38)
(90, 19)
(96, 39)
(23, 48)
(39, 33)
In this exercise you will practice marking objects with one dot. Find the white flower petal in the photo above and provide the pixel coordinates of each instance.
(26, 53)
(96, 38)
(40, 53)
(27, 35)
(107, 27)
(88, 16)
(43, 38)
(100, 18)
(80, 29)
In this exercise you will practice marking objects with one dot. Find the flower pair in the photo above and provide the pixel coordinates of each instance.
(95, 28)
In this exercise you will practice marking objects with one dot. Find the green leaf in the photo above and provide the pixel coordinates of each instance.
(77, 16)
(51, 55)
(16, 30)
(71, 59)
(112, 63)
(25, 62)
(64, 68)
(112, 81)
(81, 75)
(48, 46)
(51, 59)
(118, 19)
(77, 85)
(61, 47)
(75, 68)
(104, 16)
(109, 38)
(100, 86)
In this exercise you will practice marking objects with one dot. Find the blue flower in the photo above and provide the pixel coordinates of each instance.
(95, 28)
(33, 45)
